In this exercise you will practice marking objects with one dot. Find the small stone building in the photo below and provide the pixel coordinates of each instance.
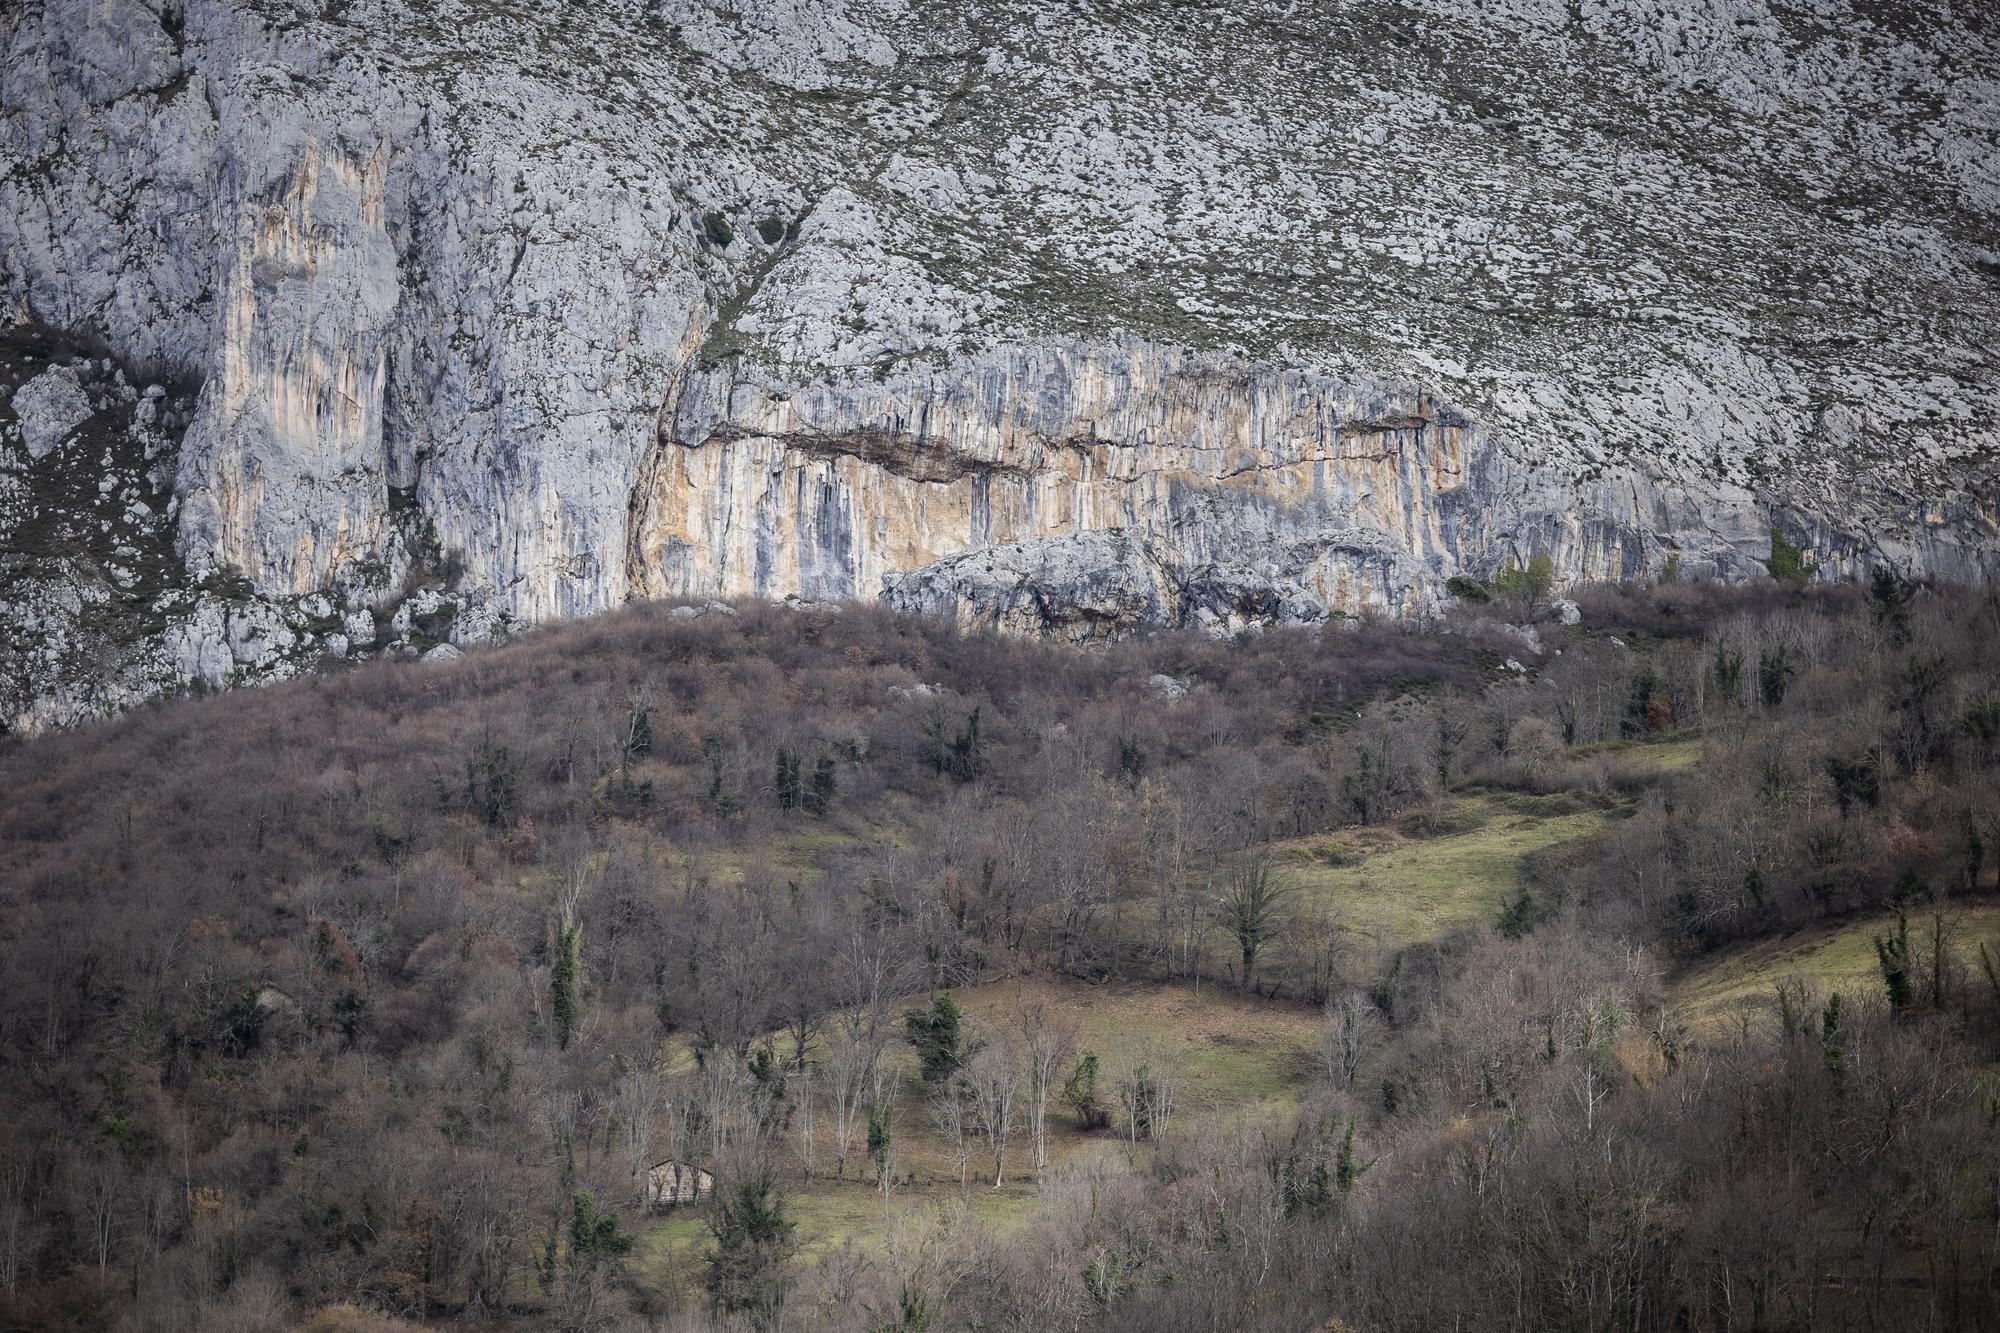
(673, 1182)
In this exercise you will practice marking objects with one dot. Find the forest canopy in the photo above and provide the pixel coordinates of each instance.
(1486, 972)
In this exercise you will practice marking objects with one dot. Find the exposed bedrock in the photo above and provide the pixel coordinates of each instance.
(374, 327)
(1237, 493)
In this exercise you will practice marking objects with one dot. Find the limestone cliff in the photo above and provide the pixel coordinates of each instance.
(1055, 316)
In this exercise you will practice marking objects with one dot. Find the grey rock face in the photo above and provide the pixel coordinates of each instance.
(1082, 586)
(1059, 319)
(48, 407)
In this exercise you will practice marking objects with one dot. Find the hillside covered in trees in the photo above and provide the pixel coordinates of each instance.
(1485, 972)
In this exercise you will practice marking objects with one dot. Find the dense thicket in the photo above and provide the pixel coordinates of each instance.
(380, 988)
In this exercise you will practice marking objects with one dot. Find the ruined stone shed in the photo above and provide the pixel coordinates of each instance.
(675, 1182)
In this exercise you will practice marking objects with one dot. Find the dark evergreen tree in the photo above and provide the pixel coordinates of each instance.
(786, 781)
(878, 1142)
(1892, 953)
(719, 798)
(1774, 675)
(967, 759)
(753, 1245)
(1889, 598)
(565, 970)
(594, 1235)
(1347, 1169)
(1856, 781)
(1131, 760)
(1831, 1046)
(1729, 672)
(1079, 1094)
(935, 1033)
(819, 797)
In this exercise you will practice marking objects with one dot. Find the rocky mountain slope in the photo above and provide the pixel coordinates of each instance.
(370, 325)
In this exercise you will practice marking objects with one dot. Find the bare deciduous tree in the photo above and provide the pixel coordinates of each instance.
(949, 1111)
(857, 1036)
(1047, 1038)
(1254, 896)
(1344, 1030)
(993, 1077)
(638, 1101)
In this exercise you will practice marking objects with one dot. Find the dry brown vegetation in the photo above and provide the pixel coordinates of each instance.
(369, 998)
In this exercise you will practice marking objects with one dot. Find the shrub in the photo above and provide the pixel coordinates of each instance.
(1552, 806)
(1440, 823)
(1334, 852)
(716, 228)
(1534, 743)
(1788, 563)
(1080, 1094)
(1530, 582)
(1468, 589)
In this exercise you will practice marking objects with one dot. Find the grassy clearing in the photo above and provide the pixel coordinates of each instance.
(1654, 757)
(801, 849)
(1662, 756)
(1229, 1055)
(1406, 890)
(1228, 1050)
(1720, 990)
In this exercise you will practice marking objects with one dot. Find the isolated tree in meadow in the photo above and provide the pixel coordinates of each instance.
(1254, 897)
(857, 1035)
(1047, 1038)
(854, 1048)
(805, 1101)
(994, 1077)
(949, 1114)
(1147, 1094)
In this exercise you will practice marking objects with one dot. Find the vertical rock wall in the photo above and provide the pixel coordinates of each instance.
(525, 310)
